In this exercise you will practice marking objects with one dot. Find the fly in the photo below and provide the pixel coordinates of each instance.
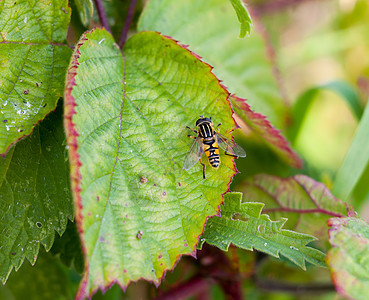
(208, 140)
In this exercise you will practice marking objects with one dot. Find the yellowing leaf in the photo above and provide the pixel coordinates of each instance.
(138, 210)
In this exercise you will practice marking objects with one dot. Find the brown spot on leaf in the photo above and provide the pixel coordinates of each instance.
(143, 180)
(139, 235)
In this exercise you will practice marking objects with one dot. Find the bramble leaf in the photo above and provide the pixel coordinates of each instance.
(33, 64)
(138, 210)
(243, 225)
(306, 203)
(242, 64)
(35, 196)
(348, 259)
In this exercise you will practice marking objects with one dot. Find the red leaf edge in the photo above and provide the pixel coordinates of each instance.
(75, 163)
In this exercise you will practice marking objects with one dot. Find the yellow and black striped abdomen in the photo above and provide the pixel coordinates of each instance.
(211, 150)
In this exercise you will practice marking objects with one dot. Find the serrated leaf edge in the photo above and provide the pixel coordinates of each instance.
(75, 163)
(280, 225)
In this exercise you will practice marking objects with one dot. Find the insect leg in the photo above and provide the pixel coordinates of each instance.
(203, 169)
(218, 126)
(192, 137)
(195, 131)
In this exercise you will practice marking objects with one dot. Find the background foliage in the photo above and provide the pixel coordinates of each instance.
(304, 70)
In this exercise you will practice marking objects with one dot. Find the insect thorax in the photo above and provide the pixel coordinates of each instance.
(206, 130)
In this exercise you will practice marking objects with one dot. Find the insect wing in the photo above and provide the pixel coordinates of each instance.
(193, 154)
(230, 146)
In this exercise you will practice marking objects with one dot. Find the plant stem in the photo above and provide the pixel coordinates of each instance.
(102, 15)
(127, 23)
(190, 288)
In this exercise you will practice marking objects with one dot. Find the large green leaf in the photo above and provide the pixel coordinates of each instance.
(35, 197)
(210, 27)
(306, 203)
(138, 210)
(243, 225)
(33, 64)
(348, 259)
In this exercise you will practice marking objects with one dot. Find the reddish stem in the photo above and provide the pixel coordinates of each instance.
(102, 15)
(190, 288)
(127, 23)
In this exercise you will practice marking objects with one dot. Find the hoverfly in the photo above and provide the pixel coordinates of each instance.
(208, 140)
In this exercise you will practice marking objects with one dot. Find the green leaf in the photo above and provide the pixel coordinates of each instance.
(305, 202)
(35, 197)
(138, 210)
(33, 64)
(262, 127)
(243, 17)
(355, 167)
(85, 9)
(45, 280)
(348, 259)
(302, 104)
(242, 64)
(243, 225)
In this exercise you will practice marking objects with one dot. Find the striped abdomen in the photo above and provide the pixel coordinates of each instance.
(211, 147)
(211, 150)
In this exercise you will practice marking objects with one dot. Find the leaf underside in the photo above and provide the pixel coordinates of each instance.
(348, 259)
(35, 200)
(33, 64)
(262, 127)
(138, 210)
(243, 225)
(305, 202)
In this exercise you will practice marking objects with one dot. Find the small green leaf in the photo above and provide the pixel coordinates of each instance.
(243, 225)
(242, 64)
(355, 167)
(348, 259)
(305, 202)
(85, 9)
(33, 64)
(138, 210)
(35, 197)
(243, 17)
